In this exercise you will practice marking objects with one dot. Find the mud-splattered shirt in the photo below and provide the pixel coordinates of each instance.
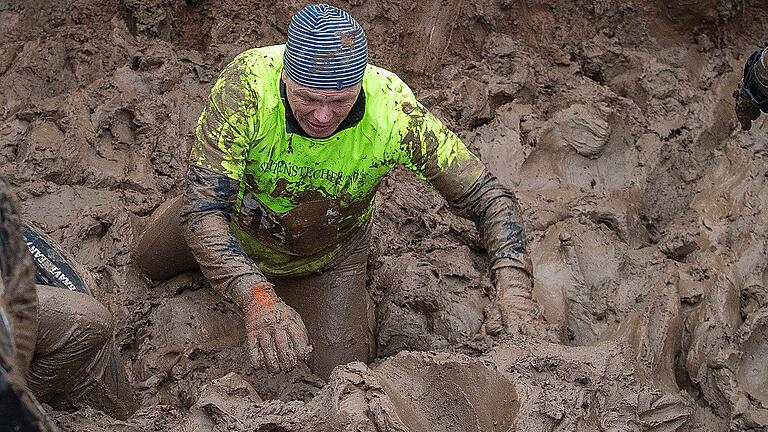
(300, 202)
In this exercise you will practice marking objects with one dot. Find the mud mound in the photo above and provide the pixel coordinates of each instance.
(443, 394)
(645, 209)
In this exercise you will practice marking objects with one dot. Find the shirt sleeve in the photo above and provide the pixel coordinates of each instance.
(228, 124)
(208, 203)
(225, 130)
(761, 73)
(437, 155)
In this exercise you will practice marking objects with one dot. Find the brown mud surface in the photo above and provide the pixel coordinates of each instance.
(646, 210)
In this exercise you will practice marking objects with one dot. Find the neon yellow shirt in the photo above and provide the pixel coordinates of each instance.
(301, 199)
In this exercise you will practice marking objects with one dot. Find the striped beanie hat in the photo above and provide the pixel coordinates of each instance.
(326, 49)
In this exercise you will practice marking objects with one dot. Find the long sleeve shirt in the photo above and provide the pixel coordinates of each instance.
(264, 199)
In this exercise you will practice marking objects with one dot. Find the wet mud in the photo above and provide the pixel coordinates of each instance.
(645, 207)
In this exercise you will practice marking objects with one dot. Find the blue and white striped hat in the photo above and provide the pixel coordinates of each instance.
(326, 49)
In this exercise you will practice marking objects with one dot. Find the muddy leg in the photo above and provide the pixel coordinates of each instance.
(161, 251)
(76, 362)
(19, 410)
(337, 311)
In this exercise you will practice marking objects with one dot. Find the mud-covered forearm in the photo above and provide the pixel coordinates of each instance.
(496, 213)
(440, 157)
(19, 295)
(209, 200)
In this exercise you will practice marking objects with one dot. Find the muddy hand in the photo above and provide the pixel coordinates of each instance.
(277, 337)
(513, 302)
(746, 110)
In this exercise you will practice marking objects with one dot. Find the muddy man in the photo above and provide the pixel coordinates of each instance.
(289, 152)
(55, 342)
(752, 93)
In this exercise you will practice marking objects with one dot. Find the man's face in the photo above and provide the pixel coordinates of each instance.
(320, 112)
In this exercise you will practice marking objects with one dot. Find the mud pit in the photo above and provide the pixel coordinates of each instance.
(645, 207)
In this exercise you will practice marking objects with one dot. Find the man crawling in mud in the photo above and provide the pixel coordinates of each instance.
(752, 94)
(289, 153)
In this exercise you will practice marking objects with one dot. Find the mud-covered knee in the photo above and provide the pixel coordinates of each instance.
(96, 322)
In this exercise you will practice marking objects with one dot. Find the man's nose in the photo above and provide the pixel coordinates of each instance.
(323, 114)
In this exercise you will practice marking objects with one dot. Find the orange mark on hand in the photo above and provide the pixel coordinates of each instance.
(262, 297)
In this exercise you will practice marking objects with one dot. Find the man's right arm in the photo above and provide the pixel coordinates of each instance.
(275, 333)
(223, 134)
(208, 203)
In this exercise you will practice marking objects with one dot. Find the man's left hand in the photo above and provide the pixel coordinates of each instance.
(513, 303)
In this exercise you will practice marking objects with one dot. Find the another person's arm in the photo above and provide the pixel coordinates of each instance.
(277, 337)
(18, 275)
(18, 322)
(752, 93)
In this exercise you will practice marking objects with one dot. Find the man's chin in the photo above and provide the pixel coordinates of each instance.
(320, 135)
(317, 132)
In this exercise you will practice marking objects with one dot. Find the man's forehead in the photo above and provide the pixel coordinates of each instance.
(309, 91)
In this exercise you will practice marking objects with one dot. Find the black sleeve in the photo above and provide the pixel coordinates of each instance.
(209, 201)
(496, 213)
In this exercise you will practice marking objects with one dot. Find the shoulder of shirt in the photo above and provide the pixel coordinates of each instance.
(269, 57)
(380, 81)
(256, 70)
(386, 96)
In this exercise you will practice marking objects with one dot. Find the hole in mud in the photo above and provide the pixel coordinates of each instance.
(481, 121)
(651, 226)
(594, 71)
(500, 99)
(682, 378)
(681, 252)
